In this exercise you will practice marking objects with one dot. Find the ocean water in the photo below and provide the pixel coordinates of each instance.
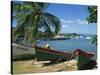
(70, 45)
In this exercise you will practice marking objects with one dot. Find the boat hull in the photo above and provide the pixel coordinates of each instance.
(45, 54)
(20, 52)
(83, 58)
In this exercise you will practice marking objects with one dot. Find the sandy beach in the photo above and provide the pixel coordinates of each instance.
(39, 67)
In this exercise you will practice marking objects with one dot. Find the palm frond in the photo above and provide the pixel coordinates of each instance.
(30, 17)
(53, 21)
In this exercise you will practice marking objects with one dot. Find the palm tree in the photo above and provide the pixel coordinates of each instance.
(31, 17)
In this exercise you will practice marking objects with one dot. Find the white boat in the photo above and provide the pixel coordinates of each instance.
(20, 50)
(88, 37)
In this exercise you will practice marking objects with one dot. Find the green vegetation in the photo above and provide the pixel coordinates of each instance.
(94, 41)
(31, 17)
(47, 35)
(42, 35)
(92, 18)
(70, 35)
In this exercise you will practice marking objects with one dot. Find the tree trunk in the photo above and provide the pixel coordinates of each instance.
(35, 44)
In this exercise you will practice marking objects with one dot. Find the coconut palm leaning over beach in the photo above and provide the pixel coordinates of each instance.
(31, 18)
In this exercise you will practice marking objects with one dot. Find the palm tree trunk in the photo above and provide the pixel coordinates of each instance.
(35, 44)
(35, 60)
(35, 47)
(36, 32)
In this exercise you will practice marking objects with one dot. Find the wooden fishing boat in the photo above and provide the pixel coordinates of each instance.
(47, 54)
(83, 58)
(21, 51)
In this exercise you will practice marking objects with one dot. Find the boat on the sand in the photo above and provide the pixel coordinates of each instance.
(21, 51)
(85, 60)
(44, 54)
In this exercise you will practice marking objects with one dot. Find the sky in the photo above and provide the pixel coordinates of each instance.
(72, 18)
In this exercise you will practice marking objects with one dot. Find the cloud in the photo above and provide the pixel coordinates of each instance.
(64, 25)
(65, 21)
(78, 21)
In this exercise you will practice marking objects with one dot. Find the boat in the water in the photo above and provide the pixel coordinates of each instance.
(85, 60)
(48, 54)
(88, 37)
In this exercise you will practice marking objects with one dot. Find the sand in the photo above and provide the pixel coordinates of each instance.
(38, 67)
